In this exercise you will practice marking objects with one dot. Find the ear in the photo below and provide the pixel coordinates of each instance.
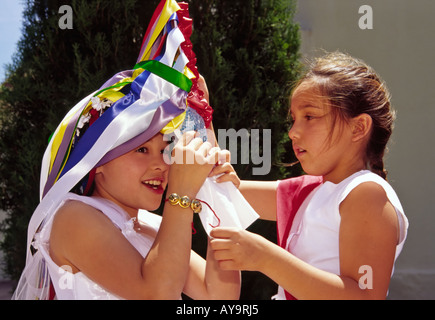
(99, 169)
(361, 126)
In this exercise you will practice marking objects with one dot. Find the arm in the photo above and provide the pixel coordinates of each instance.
(368, 237)
(261, 195)
(207, 281)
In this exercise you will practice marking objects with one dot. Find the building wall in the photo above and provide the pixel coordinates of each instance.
(401, 48)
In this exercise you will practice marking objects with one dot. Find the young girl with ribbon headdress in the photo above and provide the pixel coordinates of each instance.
(341, 227)
(106, 166)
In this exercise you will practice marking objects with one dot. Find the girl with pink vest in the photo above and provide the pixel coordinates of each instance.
(341, 227)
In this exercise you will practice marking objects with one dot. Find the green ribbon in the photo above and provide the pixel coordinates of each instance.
(169, 74)
(163, 71)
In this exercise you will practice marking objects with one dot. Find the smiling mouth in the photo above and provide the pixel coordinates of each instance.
(156, 185)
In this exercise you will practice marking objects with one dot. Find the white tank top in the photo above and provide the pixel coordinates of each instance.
(78, 286)
(318, 222)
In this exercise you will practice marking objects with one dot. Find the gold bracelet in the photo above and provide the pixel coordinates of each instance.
(185, 202)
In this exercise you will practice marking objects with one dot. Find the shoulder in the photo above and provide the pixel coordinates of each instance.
(76, 224)
(364, 188)
(79, 222)
(368, 189)
(366, 195)
(367, 206)
(75, 213)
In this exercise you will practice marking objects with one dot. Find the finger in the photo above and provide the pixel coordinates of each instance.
(222, 169)
(224, 156)
(220, 244)
(195, 143)
(224, 173)
(201, 155)
(216, 171)
(204, 149)
(229, 177)
(213, 155)
(223, 232)
(187, 137)
(220, 255)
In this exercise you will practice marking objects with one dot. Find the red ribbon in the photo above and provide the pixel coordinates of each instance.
(195, 97)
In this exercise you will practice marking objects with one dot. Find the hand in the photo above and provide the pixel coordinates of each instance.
(224, 172)
(191, 162)
(238, 249)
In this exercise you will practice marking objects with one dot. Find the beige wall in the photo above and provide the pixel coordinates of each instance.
(401, 48)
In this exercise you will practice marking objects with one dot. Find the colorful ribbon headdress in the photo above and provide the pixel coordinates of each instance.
(150, 98)
(126, 111)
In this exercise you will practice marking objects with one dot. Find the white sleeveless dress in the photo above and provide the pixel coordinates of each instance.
(314, 235)
(230, 209)
(78, 286)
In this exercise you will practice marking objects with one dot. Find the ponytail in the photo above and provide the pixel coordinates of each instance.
(377, 166)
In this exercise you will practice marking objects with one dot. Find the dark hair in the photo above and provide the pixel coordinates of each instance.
(353, 88)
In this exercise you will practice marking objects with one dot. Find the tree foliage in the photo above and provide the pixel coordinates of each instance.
(249, 54)
(246, 49)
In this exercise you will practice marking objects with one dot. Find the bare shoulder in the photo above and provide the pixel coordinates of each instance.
(77, 215)
(367, 194)
(369, 205)
(76, 227)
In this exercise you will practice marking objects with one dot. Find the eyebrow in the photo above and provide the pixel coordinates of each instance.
(306, 106)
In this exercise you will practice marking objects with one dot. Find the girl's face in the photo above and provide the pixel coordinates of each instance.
(137, 179)
(321, 149)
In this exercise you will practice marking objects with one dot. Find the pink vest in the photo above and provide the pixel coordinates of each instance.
(289, 197)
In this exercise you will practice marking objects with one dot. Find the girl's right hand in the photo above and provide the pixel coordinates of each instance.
(225, 172)
(192, 161)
